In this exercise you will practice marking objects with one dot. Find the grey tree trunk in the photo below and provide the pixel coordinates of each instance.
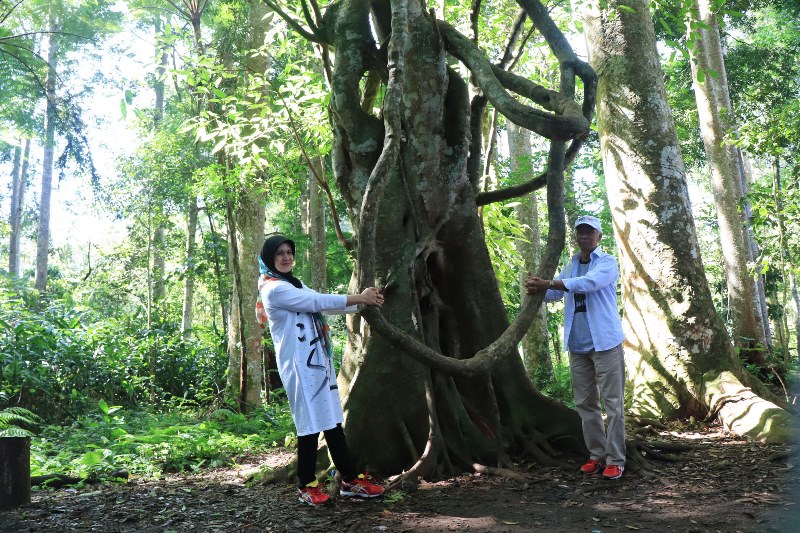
(19, 187)
(43, 236)
(761, 292)
(728, 179)
(679, 357)
(188, 283)
(535, 345)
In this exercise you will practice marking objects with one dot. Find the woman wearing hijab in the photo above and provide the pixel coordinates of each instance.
(305, 364)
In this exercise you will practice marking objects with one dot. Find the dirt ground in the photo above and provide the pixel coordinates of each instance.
(723, 484)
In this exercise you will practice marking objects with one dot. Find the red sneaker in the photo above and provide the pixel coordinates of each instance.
(592, 466)
(613, 472)
(312, 494)
(360, 487)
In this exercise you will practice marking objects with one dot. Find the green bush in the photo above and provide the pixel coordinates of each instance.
(59, 358)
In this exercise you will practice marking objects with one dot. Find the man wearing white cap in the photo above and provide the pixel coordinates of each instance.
(593, 336)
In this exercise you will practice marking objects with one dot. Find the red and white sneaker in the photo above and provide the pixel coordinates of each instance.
(613, 472)
(592, 466)
(312, 494)
(360, 487)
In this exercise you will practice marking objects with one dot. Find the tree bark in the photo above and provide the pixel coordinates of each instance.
(535, 345)
(727, 175)
(679, 358)
(43, 235)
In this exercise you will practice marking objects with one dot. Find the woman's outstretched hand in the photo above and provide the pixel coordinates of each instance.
(372, 296)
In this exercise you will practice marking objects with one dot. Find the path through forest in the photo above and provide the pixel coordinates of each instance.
(724, 484)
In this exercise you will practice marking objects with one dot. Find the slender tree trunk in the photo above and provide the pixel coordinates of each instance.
(159, 282)
(43, 237)
(679, 356)
(19, 187)
(535, 345)
(761, 291)
(727, 175)
(188, 283)
(318, 257)
(777, 198)
(222, 294)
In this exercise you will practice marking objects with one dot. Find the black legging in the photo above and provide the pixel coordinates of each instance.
(307, 455)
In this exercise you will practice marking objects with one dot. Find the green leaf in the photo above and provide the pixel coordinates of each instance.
(91, 458)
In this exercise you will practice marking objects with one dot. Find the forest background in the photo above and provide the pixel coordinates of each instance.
(180, 133)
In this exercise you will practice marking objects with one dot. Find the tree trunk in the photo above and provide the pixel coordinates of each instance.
(318, 251)
(431, 259)
(188, 282)
(679, 357)
(535, 345)
(19, 184)
(43, 236)
(15, 472)
(727, 175)
(159, 283)
(246, 235)
(245, 238)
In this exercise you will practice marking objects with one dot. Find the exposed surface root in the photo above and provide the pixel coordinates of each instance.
(502, 472)
(641, 454)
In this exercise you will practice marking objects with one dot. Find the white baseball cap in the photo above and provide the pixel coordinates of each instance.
(589, 220)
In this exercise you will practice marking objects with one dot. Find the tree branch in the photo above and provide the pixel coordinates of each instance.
(569, 125)
(310, 36)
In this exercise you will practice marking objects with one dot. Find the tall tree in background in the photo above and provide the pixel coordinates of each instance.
(43, 234)
(71, 27)
(535, 344)
(717, 121)
(19, 185)
(679, 357)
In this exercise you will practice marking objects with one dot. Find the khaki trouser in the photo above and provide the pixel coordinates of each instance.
(597, 375)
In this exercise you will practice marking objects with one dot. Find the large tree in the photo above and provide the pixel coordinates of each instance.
(434, 381)
(679, 356)
(717, 124)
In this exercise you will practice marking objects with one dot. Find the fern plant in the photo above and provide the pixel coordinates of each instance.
(12, 420)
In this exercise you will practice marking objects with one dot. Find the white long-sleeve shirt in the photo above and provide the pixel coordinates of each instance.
(305, 368)
(600, 287)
